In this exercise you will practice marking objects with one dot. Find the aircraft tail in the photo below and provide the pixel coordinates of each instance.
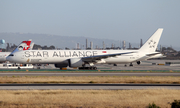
(31, 46)
(24, 45)
(152, 42)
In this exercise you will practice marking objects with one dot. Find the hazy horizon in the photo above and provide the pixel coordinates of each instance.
(69, 41)
(102, 19)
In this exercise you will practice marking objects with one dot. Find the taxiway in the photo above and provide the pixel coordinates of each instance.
(91, 74)
(87, 86)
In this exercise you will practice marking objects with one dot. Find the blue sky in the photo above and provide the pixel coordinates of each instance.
(129, 20)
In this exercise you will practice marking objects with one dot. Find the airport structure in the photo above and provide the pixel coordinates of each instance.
(103, 45)
(77, 46)
(91, 45)
(86, 43)
(129, 45)
(124, 45)
(2, 44)
(141, 44)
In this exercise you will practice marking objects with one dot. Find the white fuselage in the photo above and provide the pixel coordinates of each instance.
(58, 56)
(3, 56)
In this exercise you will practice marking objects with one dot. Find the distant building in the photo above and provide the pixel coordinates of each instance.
(129, 45)
(141, 43)
(124, 45)
(112, 46)
(103, 45)
(77, 46)
(91, 45)
(86, 44)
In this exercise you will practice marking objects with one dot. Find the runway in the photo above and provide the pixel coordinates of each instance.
(87, 86)
(90, 74)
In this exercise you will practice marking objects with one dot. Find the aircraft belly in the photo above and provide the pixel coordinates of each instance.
(119, 60)
(54, 60)
(2, 59)
(44, 60)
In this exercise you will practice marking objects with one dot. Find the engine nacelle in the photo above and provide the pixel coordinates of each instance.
(75, 62)
(61, 65)
(138, 62)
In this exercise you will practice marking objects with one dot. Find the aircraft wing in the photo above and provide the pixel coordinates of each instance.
(153, 54)
(99, 57)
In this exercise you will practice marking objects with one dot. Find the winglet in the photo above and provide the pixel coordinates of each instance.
(152, 42)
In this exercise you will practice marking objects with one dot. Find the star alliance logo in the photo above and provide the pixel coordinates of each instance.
(152, 44)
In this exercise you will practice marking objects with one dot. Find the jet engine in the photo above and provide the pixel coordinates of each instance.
(138, 62)
(61, 65)
(75, 62)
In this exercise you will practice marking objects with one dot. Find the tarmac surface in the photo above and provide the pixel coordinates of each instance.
(145, 69)
(92, 74)
(145, 65)
(87, 86)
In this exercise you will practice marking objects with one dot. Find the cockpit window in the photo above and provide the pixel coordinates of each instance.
(11, 55)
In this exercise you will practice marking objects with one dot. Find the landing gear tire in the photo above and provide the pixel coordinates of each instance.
(87, 68)
(115, 64)
(19, 68)
(138, 62)
(95, 68)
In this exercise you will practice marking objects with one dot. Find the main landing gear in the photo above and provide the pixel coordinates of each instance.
(88, 68)
(131, 64)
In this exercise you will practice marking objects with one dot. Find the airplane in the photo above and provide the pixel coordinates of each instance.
(3, 55)
(80, 58)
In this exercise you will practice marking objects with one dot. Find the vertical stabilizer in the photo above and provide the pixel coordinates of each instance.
(152, 42)
(31, 46)
(24, 45)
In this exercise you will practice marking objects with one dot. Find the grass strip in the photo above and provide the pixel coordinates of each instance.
(87, 98)
(91, 79)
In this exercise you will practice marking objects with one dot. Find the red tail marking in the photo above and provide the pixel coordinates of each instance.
(28, 45)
